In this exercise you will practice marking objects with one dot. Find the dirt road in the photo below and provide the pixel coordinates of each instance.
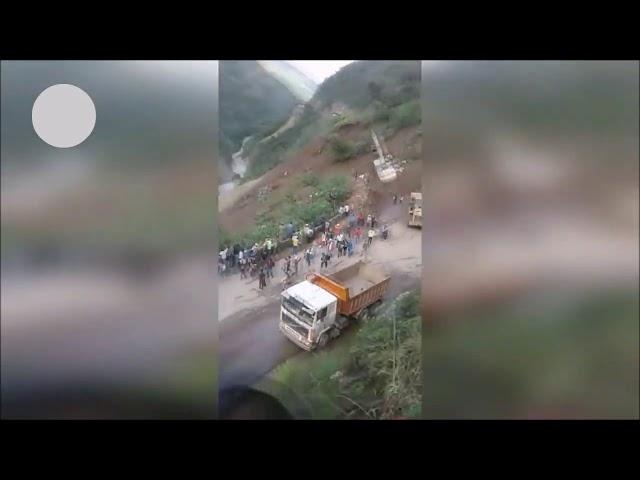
(250, 344)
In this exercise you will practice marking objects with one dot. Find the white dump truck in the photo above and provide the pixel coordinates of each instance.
(319, 308)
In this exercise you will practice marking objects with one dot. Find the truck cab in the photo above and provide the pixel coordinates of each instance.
(307, 313)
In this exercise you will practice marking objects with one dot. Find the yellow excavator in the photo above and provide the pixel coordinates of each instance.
(415, 210)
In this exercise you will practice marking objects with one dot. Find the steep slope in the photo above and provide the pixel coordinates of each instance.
(251, 100)
(359, 83)
(364, 94)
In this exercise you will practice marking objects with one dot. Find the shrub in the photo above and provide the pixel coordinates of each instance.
(334, 189)
(405, 115)
(341, 150)
(381, 113)
(310, 179)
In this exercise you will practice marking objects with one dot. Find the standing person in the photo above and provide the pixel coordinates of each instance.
(370, 235)
(294, 243)
(349, 247)
(286, 281)
(327, 226)
(287, 265)
(322, 260)
(223, 255)
(243, 268)
(373, 221)
(261, 279)
(236, 253)
(296, 260)
(401, 198)
(369, 220)
(356, 234)
(270, 265)
(307, 257)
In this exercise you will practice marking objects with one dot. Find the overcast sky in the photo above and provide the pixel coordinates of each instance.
(318, 70)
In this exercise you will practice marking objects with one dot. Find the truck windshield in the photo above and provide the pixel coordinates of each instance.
(298, 309)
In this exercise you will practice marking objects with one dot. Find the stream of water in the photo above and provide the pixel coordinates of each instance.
(239, 165)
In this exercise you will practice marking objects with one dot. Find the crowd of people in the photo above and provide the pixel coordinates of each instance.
(352, 229)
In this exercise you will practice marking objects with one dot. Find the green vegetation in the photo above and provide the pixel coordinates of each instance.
(377, 375)
(405, 115)
(575, 357)
(378, 93)
(310, 179)
(360, 83)
(325, 197)
(270, 153)
(341, 150)
(251, 100)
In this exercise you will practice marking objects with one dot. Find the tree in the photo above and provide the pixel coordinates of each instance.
(374, 90)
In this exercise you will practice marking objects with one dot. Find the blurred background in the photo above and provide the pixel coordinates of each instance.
(108, 248)
(530, 239)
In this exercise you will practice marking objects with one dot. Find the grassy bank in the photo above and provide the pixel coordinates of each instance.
(321, 200)
(375, 373)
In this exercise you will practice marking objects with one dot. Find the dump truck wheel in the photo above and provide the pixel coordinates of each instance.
(323, 340)
(362, 315)
(342, 323)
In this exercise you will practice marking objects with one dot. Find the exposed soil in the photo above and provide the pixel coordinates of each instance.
(238, 213)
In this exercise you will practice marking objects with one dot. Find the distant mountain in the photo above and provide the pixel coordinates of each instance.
(360, 83)
(297, 82)
(251, 101)
(383, 94)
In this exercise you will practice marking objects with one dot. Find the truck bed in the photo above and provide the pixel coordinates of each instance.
(356, 286)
